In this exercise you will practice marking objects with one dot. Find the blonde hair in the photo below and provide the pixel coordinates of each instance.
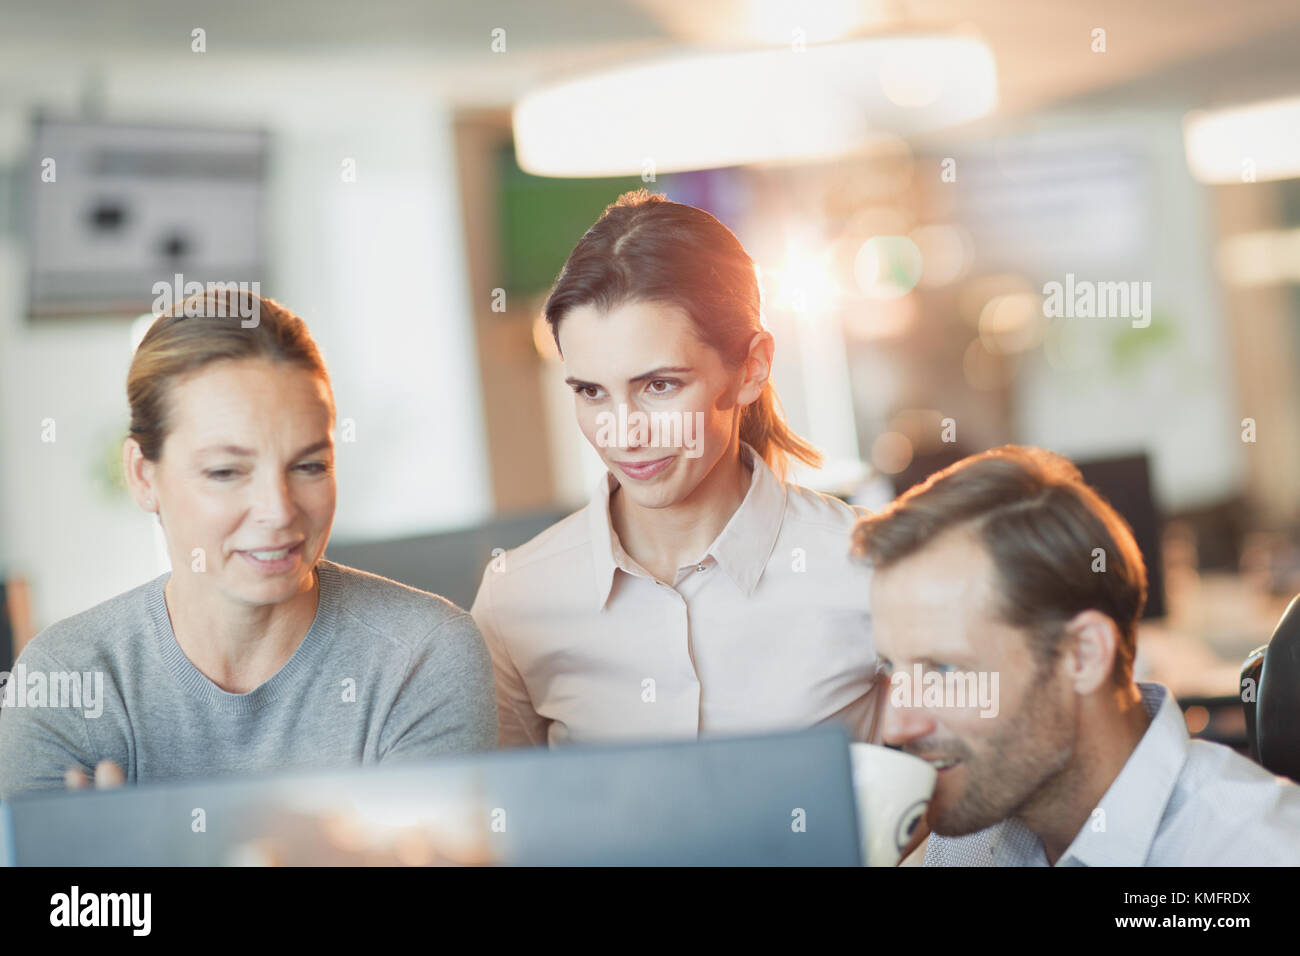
(204, 329)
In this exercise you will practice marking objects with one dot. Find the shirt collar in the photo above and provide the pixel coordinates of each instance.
(741, 550)
(1124, 825)
(603, 539)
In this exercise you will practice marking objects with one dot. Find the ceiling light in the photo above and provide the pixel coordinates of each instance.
(1247, 144)
(703, 111)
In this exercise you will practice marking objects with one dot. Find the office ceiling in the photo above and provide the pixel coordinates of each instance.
(1043, 47)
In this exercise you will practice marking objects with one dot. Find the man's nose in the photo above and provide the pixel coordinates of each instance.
(905, 724)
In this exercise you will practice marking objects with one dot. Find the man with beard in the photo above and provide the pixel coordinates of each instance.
(1007, 564)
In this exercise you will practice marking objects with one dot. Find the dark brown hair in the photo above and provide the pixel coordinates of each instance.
(205, 328)
(1040, 523)
(645, 248)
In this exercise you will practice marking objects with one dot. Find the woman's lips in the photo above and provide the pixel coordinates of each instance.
(275, 565)
(643, 470)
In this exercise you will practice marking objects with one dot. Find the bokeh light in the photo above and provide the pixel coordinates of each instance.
(887, 267)
(1010, 324)
(946, 251)
(891, 452)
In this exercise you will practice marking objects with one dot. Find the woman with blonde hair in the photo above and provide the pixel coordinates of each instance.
(255, 652)
(698, 592)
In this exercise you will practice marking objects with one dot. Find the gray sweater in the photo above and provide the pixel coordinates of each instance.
(385, 672)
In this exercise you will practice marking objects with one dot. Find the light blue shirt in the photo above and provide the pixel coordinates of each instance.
(1176, 802)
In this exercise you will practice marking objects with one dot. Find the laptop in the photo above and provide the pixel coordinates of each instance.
(764, 800)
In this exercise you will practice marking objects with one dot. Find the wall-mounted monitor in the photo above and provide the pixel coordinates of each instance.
(118, 208)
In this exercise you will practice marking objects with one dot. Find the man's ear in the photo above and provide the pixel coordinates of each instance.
(140, 475)
(758, 367)
(1092, 644)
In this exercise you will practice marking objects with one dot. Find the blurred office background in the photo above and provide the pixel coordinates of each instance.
(907, 206)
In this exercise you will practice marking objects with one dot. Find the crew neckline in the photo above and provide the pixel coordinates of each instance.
(198, 685)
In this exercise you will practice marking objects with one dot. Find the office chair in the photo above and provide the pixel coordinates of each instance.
(1273, 716)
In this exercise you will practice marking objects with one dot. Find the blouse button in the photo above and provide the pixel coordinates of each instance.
(699, 567)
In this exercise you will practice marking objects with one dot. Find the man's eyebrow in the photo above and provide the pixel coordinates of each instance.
(644, 376)
(955, 660)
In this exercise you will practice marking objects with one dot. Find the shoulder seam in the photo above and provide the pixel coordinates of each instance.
(527, 562)
(85, 731)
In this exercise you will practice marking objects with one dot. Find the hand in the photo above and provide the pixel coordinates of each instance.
(918, 837)
(107, 775)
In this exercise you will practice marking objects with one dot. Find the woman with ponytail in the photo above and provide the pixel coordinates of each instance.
(698, 592)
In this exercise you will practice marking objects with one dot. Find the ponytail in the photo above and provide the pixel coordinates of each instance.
(646, 248)
(763, 427)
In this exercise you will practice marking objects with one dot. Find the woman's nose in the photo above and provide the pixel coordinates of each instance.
(274, 503)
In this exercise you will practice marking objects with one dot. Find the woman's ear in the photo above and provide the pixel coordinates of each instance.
(139, 473)
(758, 367)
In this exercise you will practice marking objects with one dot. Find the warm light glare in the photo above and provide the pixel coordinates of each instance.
(891, 453)
(805, 283)
(1247, 144)
(1268, 257)
(784, 21)
(544, 340)
(887, 267)
(976, 293)
(702, 111)
(909, 82)
(946, 252)
(880, 320)
(1012, 323)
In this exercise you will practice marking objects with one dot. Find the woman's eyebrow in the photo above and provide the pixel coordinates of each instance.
(644, 376)
(228, 450)
(321, 445)
(656, 372)
(249, 453)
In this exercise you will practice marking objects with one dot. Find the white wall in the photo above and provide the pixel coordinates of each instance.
(1106, 195)
(375, 267)
(1179, 401)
